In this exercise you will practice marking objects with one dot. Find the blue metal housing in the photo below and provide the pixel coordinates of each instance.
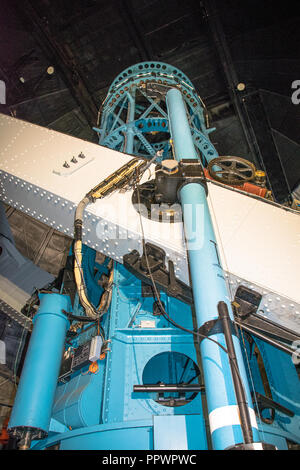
(120, 418)
(99, 409)
(36, 390)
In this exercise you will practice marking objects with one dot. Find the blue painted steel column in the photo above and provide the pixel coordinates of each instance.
(209, 288)
(35, 394)
(130, 120)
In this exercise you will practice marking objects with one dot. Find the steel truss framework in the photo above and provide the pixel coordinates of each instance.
(135, 107)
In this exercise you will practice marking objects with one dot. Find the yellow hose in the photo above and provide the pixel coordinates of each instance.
(115, 181)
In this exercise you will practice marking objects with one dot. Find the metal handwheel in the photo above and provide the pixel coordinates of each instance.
(231, 170)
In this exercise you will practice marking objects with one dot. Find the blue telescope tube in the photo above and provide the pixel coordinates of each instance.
(36, 390)
(209, 288)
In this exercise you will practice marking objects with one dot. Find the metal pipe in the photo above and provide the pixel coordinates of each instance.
(209, 288)
(238, 385)
(266, 338)
(168, 388)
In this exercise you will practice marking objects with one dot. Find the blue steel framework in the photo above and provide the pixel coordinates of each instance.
(132, 113)
(152, 107)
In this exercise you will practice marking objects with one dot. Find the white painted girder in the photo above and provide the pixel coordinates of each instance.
(258, 241)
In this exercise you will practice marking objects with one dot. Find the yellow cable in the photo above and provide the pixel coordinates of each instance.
(99, 191)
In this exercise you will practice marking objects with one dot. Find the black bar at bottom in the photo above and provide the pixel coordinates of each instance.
(170, 388)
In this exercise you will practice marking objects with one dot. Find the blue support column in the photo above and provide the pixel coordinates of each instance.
(209, 288)
(36, 390)
(130, 119)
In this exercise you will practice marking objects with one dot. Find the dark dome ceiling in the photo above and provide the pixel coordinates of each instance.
(217, 44)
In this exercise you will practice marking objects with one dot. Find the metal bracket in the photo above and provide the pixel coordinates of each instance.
(213, 327)
(264, 403)
(164, 279)
(245, 304)
(192, 172)
(246, 301)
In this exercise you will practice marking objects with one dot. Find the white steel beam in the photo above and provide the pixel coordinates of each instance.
(259, 242)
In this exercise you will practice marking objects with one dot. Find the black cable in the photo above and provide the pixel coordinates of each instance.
(79, 318)
(196, 333)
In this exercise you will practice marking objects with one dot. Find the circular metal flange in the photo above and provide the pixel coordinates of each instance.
(252, 446)
(231, 170)
(150, 82)
(20, 431)
(145, 73)
(148, 69)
